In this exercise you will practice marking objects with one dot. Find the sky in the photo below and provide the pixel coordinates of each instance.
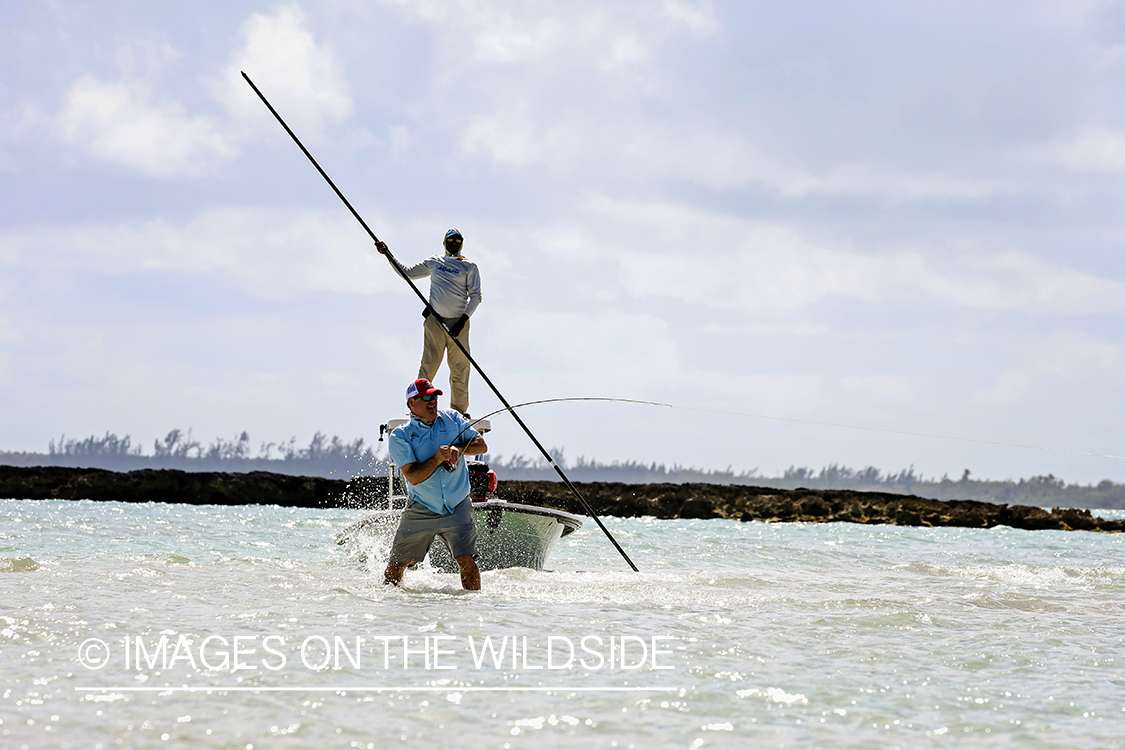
(902, 216)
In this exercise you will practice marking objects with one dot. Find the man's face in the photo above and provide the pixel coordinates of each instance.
(421, 408)
(453, 245)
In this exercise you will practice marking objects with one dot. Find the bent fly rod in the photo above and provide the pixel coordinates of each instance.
(401, 272)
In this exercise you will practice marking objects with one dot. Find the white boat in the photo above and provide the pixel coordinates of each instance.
(509, 535)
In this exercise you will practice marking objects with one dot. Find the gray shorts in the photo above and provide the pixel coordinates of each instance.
(419, 525)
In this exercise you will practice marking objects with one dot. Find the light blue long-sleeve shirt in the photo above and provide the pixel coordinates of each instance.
(454, 284)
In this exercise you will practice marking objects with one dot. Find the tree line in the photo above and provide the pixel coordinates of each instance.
(340, 459)
(323, 456)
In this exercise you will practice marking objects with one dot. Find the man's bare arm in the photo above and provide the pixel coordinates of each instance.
(420, 471)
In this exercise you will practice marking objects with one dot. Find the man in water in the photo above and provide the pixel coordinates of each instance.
(454, 297)
(437, 481)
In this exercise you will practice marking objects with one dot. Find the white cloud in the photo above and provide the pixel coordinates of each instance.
(586, 352)
(1096, 150)
(1011, 388)
(698, 17)
(570, 241)
(392, 349)
(775, 272)
(504, 136)
(123, 122)
(145, 57)
(8, 253)
(705, 153)
(625, 50)
(119, 122)
(509, 135)
(614, 352)
(769, 268)
(699, 153)
(506, 33)
(862, 179)
(303, 80)
(1013, 279)
(506, 40)
(399, 140)
(8, 332)
(272, 252)
(782, 393)
(1073, 355)
(591, 32)
(889, 389)
(8, 162)
(571, 86)
(709, 156)
(515, 133)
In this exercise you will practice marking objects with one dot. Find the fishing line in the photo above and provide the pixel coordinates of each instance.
(793, 419)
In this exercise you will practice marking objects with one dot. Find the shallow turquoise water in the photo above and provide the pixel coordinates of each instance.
(782, 635)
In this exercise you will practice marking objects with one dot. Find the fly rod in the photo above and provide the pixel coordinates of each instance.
(401, 272)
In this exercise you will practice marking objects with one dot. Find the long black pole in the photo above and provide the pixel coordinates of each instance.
(473, 362)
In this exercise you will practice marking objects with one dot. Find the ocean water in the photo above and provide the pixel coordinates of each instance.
(166, 626)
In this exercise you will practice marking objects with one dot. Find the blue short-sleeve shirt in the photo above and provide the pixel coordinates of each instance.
(415, 442)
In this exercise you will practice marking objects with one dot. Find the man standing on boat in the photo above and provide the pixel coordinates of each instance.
(454, 297)
(437, 481)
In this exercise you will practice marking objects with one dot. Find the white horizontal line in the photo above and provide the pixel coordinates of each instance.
(372, 689)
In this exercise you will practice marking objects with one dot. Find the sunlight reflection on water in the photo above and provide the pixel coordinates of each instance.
(799, 634)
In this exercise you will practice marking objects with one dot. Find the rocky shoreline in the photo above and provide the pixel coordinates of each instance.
(693, 501)
(746, 503)
(169, 486)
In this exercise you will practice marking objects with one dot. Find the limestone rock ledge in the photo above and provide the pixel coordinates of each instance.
(169, 486)
(768, 504)
(607, 498)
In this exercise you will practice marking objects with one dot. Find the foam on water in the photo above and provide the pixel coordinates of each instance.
(784, 634)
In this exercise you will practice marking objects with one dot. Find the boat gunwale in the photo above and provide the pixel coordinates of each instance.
(570, 521)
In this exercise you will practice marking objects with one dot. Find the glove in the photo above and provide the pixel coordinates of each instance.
(427, 311)
(456, 328)
(381, 246)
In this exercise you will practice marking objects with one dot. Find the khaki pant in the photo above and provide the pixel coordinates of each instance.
(436, 344)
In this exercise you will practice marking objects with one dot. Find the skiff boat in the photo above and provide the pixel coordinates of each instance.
(509, 535)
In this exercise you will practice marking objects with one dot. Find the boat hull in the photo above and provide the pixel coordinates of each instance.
(509, 535)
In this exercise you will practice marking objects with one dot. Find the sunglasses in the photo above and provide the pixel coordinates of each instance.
(431, 397)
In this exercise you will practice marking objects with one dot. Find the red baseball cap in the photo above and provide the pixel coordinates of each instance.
(421, 387)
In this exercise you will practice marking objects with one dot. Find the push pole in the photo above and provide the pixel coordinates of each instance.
(398, 267)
